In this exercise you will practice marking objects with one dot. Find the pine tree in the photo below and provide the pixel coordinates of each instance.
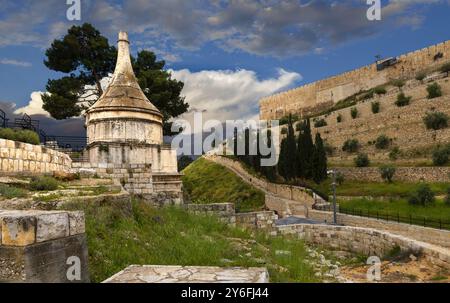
(319, 161)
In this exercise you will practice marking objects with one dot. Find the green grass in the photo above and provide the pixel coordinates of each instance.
(379, 189)
(401, 207)
(208, 182)
(171, 236)
(44, 183)
(10, 192)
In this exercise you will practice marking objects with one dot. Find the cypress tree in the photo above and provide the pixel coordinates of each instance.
(282, 158)
(235, 148)
(308, 150)
(319, 161)
(305, 150)
(301, 158)
(291, 153)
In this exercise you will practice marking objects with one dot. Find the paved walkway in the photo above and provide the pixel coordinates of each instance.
(295, 220)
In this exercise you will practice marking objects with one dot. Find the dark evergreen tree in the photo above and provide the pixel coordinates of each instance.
(269, 171)
(291, 153)
(305, 150)
(319, 161)
(282, 159)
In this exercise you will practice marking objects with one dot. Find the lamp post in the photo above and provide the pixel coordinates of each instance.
(333, 173)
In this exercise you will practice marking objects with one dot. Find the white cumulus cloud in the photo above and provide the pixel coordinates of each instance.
(229, 95)
(34, 106)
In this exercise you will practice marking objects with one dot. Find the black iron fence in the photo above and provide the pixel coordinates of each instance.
(72, 145)
(397, 217)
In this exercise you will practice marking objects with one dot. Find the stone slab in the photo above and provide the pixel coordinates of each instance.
(189, 274)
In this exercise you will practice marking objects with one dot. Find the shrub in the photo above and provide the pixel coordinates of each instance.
(387, 173)
(447, 198)
(284, 131)
(441, 155)
(423, 197)
(398, 83)
(382, 142)
(44, 183)
(351, 146)
(320, 123)
(420, 76)
(402, 100)
(362, 160)
(436, 120)
(25, 136)
(375, 107)
(434, 91)
(394, 153)
(339, 178)
(329, 149)
(339, 118)
(446, 68)
(354, 112)
(380, 90)
(368, 95)
(298, 127)
(10, 192)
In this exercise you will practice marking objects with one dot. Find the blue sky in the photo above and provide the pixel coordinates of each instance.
(229, 53)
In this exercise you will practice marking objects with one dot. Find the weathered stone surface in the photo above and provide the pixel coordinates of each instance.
(76, 223)
(16, 157)
(17, 229)
(189, 274)
(52, 226)
(367, 241)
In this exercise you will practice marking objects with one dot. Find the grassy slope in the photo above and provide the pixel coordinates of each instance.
(400, 206)
(171, 236)
(208, 182)
(378, 189)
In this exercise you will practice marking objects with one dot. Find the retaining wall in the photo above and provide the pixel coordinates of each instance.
(367, 241)
(405, 174)
(37, 246)
(18, 157)
(425, 234)
(226, 212)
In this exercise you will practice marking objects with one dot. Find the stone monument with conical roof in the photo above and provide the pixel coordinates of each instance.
(125, 132)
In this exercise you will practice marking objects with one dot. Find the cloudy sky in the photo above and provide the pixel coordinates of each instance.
(228, 53)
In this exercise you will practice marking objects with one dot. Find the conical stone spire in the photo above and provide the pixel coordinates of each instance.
(124, 91)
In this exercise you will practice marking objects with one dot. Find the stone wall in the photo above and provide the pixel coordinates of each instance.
(405, 174)
(257, 220)
(314, 97)
(18, 157)
(366, 241)
(294, 193)
(141, 180)
(226, 212)
(404, 125)
(108, 154)
(35, 246)
(425, 234)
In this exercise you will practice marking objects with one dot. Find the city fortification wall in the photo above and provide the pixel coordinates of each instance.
(317, 96)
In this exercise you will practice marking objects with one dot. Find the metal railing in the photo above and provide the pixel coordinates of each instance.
(72, 145)
(397, 217)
